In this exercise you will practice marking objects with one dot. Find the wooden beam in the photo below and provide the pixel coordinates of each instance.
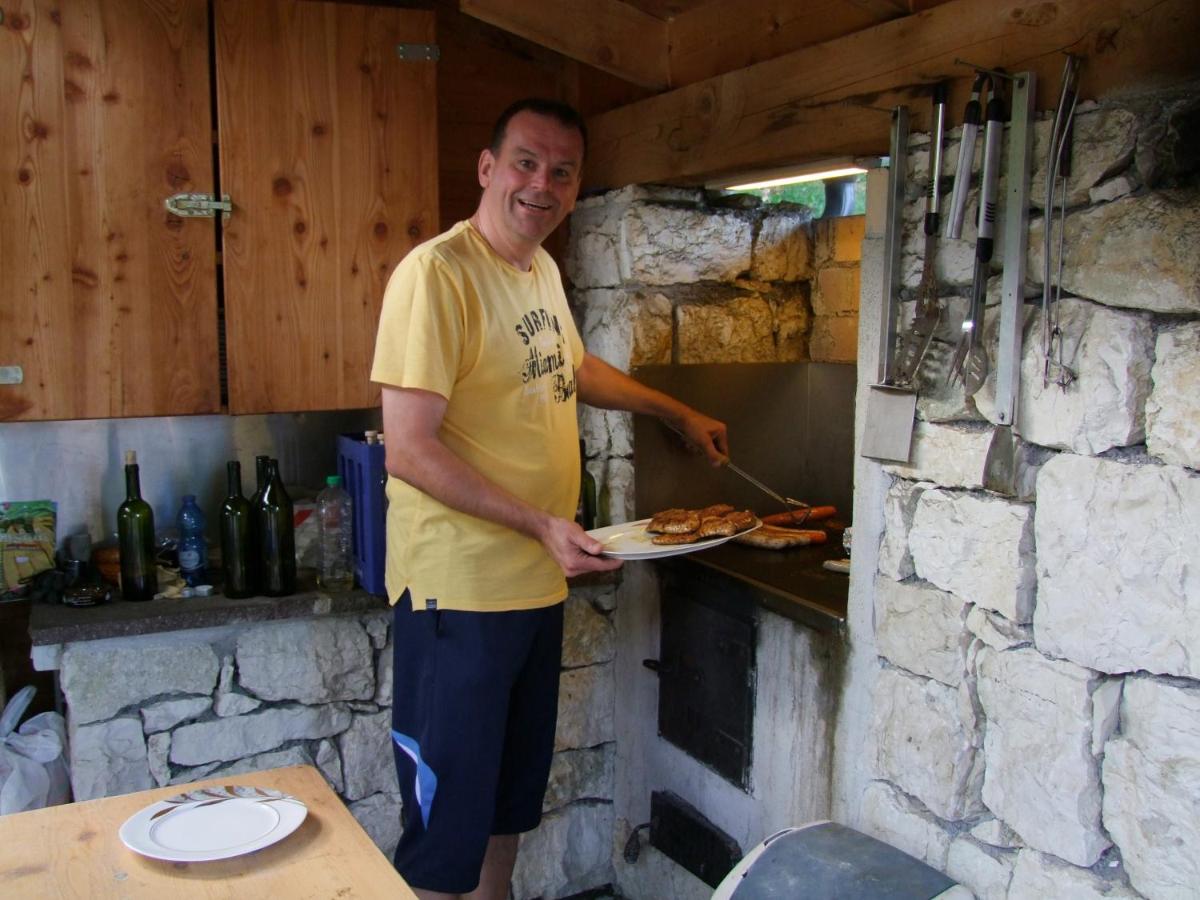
(727, 35)
(833, 99)
(608, 34)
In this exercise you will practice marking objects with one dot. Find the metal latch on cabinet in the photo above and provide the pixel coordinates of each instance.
(193, 206)
(419, 52)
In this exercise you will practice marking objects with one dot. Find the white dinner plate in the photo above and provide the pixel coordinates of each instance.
(213, 823)
(630, 540)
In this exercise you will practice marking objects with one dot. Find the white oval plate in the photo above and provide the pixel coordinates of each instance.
(213, 823)
(630, 540)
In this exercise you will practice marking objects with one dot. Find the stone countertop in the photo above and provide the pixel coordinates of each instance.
(51, 624)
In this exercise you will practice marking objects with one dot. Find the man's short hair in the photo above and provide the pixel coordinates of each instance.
(563, 113)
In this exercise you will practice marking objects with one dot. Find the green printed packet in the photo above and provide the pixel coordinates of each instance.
(26, 543)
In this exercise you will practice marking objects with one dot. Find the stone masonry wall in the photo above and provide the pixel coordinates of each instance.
(664, 275)
(173, 708)
(1036, 727)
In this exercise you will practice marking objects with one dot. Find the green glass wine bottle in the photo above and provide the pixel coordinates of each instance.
(260, 472)
(236, 527)
(135, 538)
(276, 537)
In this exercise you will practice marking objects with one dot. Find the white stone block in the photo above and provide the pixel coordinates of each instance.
(978, 547)
(312, 661)
(895, 559)
(158, 750)
(108, 758)
(569, 852)
(383, 675)
(330, 765)
(98, 682)
(588, 636)
(895, 819)
(1138, 252)
(1110, 351)
(920, 629)
(166, 715)
(737, 330)
(947, 455)
(229, 702)
(1041, 777)
(368, 765)
(985, 870)
(1041, 875)
(1173, 408)
(1118, 565)
(1103, 144)
(379, 815)
(585, 707)
(258, 732)
(675, 245)
(1113, 189)
(996, 834)
(927, 740)
(377, 626)
(996, 631)
(579, 775)
(1152, 786)
(783, 250)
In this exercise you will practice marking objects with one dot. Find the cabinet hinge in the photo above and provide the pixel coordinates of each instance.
(419, 52)
(190, 206)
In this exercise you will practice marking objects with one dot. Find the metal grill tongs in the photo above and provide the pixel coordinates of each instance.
(798, 508)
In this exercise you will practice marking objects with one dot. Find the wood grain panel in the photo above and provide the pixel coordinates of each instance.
(608, 34)
(328, 147)
(110, 302)
(833, 99)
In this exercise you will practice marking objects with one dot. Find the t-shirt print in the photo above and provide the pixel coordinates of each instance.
(545, 357)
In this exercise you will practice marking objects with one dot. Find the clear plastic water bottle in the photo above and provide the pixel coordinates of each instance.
(334, 524)
(193, 548)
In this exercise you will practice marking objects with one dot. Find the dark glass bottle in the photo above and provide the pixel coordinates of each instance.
(276, 537)
(135, 537)
(260, 471)
(237, 524)
(585, 512)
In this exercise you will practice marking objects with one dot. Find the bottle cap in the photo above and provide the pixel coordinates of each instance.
(131, 457)
(333, 480)
(370, 436)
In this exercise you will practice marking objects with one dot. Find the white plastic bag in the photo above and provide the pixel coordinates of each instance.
(33, 765)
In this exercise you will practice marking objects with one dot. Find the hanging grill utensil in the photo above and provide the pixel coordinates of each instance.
(1058, 166)
(970, 361)
(972, 116)
(914, 343)
(1000, 467)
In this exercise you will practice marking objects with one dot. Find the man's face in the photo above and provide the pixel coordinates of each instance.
(530, 186)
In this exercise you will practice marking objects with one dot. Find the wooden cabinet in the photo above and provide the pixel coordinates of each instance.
(325, 139)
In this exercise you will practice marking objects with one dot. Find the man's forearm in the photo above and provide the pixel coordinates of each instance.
(434, 469)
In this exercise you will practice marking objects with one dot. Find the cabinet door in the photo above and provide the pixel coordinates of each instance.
(328, 146)
(107, 302)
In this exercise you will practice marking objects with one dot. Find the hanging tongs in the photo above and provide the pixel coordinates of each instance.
(972, 116)
(914, 343)
(970, 360)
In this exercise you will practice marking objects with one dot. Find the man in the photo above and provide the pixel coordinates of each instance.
(482, 366)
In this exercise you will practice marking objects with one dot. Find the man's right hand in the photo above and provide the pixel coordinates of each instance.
(574, 550)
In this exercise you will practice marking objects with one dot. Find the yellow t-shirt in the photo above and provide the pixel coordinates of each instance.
(500, 345)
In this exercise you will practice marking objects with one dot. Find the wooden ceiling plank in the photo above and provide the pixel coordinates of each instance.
(608, 34)
(834, 98)
(727, 35)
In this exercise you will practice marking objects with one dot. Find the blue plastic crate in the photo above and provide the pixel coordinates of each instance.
(361, 466)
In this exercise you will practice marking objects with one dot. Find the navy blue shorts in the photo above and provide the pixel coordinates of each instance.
(474, 705)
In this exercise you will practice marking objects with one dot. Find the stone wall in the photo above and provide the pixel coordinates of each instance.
(663, 275)
(172, 708)
(1035, 724)
(671, 276)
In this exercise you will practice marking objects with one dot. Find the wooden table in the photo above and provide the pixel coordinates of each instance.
(73, 851)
